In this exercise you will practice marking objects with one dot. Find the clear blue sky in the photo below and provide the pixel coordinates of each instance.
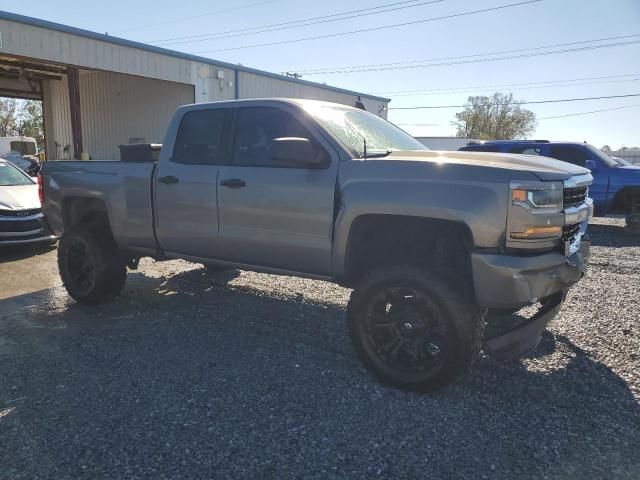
(547, 22)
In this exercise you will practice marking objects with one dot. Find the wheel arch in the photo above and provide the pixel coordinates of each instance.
(86, 211)
(624, 198)
(379, 239)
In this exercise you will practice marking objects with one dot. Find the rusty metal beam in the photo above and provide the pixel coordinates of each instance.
(73, 78)
(15, 73)
(34, 66)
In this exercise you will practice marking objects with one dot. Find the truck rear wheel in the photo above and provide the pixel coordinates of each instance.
(411, 330)
(90, 267)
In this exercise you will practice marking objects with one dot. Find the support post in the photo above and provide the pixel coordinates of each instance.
(73, 79)
(236, 84)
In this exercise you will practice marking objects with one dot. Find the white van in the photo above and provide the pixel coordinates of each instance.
(22, 152)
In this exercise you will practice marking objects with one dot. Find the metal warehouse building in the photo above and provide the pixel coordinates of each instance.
(99, 92)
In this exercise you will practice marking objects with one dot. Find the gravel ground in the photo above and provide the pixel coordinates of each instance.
(191, 374)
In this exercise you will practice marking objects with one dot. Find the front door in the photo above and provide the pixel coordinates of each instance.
(273, 215)
(186, 201)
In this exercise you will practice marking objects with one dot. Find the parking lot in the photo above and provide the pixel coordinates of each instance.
(191, 374)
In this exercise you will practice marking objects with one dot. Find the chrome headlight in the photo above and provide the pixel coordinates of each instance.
(536, 211)
(547, 197)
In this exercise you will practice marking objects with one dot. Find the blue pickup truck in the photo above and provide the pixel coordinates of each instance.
(616, 184)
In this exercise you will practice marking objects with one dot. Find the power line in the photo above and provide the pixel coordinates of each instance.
(590, 112)
(182, 19)
(383, 27)
(458, 60)
(502, 52)
(539, 86)
(502, 85)
(295, 23)
(533, 102)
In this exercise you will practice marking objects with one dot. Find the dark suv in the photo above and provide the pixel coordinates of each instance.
(616, 185)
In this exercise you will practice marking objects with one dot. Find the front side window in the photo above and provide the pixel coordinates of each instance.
(569, 153)
(199, 139)
(604, 158)
(11, 176)
(256, 128)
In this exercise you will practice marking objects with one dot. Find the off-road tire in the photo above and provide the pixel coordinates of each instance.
(633, 217)
(465, 320)
(108, 273)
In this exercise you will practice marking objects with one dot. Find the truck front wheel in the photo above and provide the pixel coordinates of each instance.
(90, 267)
(411, 330)
(633, 217)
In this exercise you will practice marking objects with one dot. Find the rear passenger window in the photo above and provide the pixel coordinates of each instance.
(199, 138)
(569, 153)
(525, 150)
(481, 148)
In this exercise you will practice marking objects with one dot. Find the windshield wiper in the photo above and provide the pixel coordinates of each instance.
(366, 154)
(377, 154)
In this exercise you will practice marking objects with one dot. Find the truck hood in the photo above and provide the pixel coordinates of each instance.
(544, 168)
(630, 169)
(19, 197)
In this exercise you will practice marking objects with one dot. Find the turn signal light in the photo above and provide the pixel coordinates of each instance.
(519, 195)
(40, 189)
(538, 233)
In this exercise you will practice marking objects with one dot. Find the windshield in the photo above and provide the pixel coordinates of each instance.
(606, 159)
(351, 127)
(10, 176)
(24, 148)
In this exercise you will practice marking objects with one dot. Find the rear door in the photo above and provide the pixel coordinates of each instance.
(272, 215)
(185, 188)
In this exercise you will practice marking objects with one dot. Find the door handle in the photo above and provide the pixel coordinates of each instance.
(168, 180)
(233, 183)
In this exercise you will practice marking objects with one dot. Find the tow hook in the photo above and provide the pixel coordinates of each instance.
(132, 263)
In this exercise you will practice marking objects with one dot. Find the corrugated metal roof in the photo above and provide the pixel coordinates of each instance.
(37, 22)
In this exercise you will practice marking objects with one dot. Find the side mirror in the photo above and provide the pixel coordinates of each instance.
(297, 151)
(591, 165)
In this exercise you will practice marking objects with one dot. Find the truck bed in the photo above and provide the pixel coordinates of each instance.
(123, 187)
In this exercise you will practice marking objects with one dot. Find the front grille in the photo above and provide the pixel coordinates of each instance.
(20, 226)
(19, 213)
(574, 197)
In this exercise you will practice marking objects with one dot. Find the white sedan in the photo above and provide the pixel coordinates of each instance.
(21, 219)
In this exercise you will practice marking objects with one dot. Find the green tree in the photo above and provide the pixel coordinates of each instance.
(30, 121)
(8, 117)
(498, 117)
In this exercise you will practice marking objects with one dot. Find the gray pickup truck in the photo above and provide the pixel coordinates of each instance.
(437, 246)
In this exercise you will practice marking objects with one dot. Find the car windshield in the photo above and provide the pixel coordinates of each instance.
(352, 127)
(622, 161)
(606, 159)
(23, 148)
(11, 176)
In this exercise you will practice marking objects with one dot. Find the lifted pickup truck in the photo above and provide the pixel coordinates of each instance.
(432, 243)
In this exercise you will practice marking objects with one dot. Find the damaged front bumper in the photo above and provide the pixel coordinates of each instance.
(510, 281)
(521, 340)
